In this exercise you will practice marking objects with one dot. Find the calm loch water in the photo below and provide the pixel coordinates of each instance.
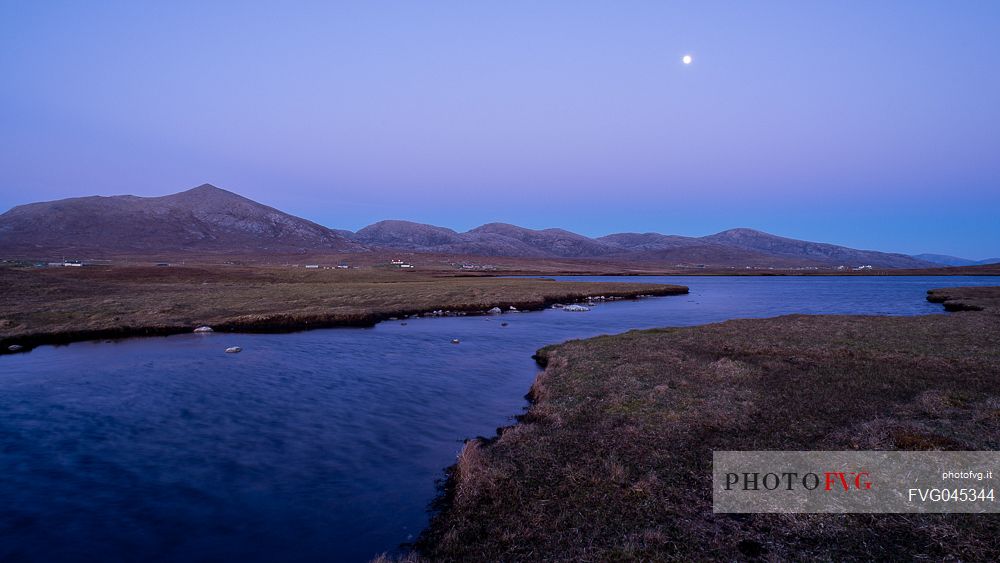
(314, 446)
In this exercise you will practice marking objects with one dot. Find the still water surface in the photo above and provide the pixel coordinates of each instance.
(320, 445)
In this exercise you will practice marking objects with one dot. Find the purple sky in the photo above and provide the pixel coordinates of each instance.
(875, 125)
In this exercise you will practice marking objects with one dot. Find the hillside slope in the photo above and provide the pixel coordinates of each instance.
(204, 219)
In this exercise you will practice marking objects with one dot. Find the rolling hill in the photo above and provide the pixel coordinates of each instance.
(757, 241)
(945, 260)
(202, 219)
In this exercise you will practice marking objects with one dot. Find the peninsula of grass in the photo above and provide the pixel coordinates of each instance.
(58, 305)
(612, 461)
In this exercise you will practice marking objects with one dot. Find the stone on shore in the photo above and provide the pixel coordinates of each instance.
(576, 308)
(15, 348)
(495, 311)
(204, 329)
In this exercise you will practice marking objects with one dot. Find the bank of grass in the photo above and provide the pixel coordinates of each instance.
(612, 461)
(55, 305)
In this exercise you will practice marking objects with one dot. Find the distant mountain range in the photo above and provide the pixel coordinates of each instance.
(207, 219)
(945, 260)
(733, 247)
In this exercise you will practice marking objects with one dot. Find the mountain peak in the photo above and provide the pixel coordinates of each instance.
(496, 226)
(207, 194)
(742, 231)
(205, 189)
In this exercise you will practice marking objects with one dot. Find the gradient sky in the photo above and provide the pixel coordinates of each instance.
(869, 124)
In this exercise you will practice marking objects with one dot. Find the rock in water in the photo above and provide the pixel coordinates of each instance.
(495, 311)
(576, 308)
(503, 324)
(15, 348)
(234, 350)
(454, 341)
(204, 329)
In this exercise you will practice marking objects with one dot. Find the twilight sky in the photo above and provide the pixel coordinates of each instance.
(874, 125)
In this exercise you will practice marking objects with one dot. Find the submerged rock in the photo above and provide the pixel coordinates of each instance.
(234, 350)
(454, 341)
(15, 348)
(503, 324)
(495, 311)
(204, 329)
(575, 308)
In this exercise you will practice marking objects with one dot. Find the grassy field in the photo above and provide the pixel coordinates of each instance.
(613, 459)
(53, 305)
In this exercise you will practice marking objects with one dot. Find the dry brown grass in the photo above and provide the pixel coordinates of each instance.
(613, 459)
(64, 304)
(966, 298)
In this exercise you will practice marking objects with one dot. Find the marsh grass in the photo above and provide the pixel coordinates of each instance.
(612, 461)
(65, 304)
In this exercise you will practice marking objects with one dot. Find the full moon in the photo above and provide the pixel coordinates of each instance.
(686, 59)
